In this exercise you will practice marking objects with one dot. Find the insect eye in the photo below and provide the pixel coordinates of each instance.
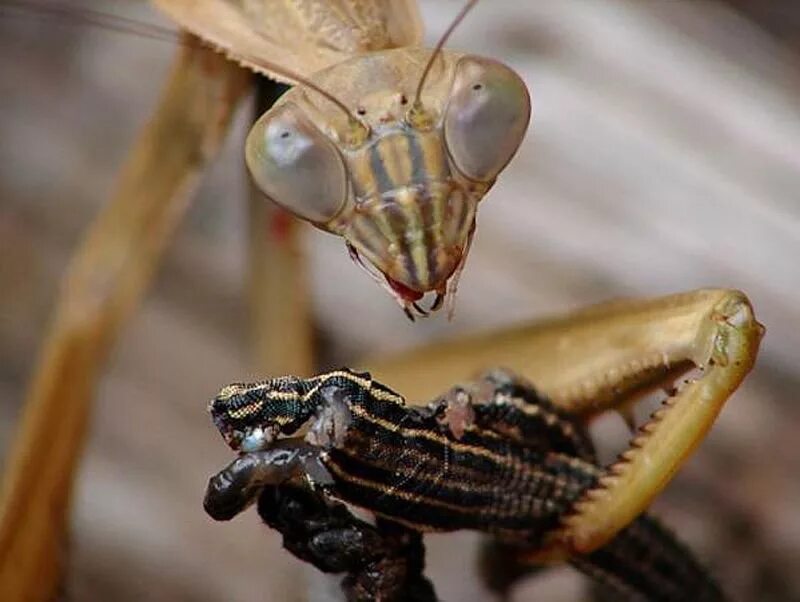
(486, 117)
(296, 165)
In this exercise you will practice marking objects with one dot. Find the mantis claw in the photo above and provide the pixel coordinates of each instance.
(724, 348)
(601, 359)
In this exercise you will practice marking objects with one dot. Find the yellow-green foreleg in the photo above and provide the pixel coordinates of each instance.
(600, 359)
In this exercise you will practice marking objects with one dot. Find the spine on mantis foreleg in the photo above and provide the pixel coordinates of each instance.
(645, 562)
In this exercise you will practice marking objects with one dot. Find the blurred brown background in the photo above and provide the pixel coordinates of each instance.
(664, 155)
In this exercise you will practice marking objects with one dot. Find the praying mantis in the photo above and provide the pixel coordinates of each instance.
(76, 312)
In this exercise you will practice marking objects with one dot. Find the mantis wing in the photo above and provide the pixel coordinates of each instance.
(299, 36)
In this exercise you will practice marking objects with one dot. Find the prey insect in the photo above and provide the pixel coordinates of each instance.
(495, 456)
(491, 456)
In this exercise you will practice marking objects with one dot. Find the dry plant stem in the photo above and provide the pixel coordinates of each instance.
(600, 359)
(280, 303)
(103, 286)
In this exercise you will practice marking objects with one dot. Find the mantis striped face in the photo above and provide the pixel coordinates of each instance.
(357, 153)
(402, 188)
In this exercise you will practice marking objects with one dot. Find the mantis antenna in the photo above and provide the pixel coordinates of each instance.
(278, 70)
(151, 31)
(438, 49)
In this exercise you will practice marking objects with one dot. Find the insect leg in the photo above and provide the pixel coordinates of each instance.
(237, 485)
(599, 359)
(380, 562)
(642, 562)
(646, 562)
(102, 288)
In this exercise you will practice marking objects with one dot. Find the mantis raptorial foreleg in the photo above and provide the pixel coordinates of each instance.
(103, 287)
(599, 359)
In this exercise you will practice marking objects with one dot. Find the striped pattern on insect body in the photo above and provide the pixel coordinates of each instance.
(492, 455)
(437, 468)
(398, 176)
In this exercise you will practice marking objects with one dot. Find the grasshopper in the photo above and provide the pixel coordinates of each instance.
(493, 456)
(111, 271)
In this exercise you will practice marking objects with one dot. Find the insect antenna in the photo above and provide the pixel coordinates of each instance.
(118, 23)
(417, 105)
(359, 131)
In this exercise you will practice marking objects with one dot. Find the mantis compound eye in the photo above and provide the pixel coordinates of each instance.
(486, 117)
(296, 165)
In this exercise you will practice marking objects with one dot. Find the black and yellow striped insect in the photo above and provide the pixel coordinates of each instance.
(492, 456)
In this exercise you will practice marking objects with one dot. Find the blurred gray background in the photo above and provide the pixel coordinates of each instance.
(664, 155)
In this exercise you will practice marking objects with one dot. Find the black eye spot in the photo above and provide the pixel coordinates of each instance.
(361, 111)
(285, 134)
(403, 99)
(477, 87)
